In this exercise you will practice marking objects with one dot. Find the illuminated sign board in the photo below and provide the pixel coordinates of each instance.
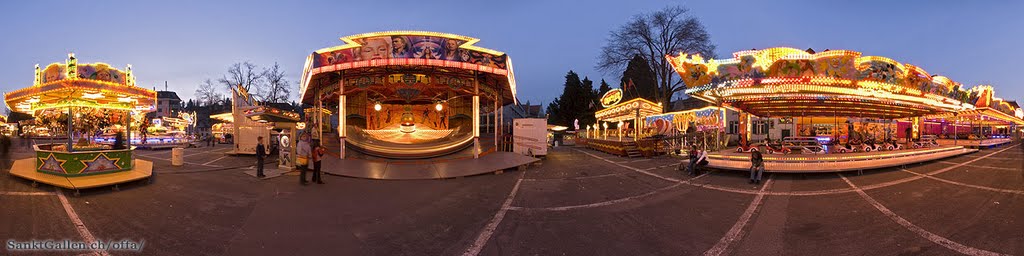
(611, 98)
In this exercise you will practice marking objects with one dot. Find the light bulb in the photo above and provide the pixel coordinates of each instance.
(376, 106)
(438, 107)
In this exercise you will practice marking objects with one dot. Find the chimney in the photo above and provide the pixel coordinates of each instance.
(165, 85)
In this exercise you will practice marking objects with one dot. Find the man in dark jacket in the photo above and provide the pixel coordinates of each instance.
(261, 152)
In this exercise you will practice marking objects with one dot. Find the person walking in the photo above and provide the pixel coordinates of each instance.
(302, 155)
(261, 153)
(756, 167)
(318, 154)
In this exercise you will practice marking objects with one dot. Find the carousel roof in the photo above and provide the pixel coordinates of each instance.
(628, 110)
(792, 82)
(70, 84)
(420, 62)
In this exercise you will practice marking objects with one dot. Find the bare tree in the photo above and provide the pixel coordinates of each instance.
(668, 31)
(207, 93)
(245, 74)
(275, 88)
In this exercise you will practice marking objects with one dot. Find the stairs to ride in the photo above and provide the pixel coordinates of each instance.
(631, 149)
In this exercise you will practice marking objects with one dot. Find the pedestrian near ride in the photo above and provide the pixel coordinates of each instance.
(302, 155)
(261, 153)
(756, 167)
(318, 154)
(702, 160)
(693, 159)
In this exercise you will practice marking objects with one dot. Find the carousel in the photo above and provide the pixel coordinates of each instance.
(408, 94)
(410, 105)
(82, 102)
(992, 122)
(835, 106)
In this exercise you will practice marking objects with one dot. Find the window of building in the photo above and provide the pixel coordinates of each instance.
(762, 126)
(734, 127)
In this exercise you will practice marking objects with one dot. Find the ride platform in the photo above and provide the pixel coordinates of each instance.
(986, 143)
(25, 168)
(493, 162)
(834, 162)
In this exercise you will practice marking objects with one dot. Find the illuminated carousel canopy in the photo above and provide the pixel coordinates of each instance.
(69, 84)
(628, 110)
(988, 109)
(792, 82)
(409, 67)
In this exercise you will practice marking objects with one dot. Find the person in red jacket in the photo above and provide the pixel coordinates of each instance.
(318, 154)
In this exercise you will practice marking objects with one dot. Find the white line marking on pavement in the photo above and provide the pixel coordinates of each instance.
(79, 225)
(631, 168)
(169, 160)
(736, 232)
(604, 203)
(986, 167)
(1019, 192)
(208, 152)
(14, 193)
(214, 160)
(488, 230)
(918, 230)
(580, 177)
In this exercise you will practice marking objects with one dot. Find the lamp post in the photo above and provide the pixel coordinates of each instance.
(956, 120)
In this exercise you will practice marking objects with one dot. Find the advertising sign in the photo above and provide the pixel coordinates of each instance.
(611, 98)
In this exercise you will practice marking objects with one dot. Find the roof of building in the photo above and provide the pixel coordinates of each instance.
(688, 104)
(167, 95)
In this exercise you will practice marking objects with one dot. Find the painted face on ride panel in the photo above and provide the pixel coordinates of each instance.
(375, 48)
(426, 50)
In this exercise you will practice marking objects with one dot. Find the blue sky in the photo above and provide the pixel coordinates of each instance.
(185, 42)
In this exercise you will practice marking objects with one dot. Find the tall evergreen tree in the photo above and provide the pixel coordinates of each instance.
(575, 102)
(644, 84)
(605, 87)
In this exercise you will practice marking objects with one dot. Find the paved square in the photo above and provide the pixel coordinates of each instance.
(575, 202)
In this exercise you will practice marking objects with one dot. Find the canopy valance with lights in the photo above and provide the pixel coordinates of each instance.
(792, 82)
(94, 85)
(629, 110)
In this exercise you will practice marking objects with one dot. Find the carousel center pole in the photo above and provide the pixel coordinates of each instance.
(476, 115)
(128, 128)
(70, 140)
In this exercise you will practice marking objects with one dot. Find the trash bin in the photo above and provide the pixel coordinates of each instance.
(177, 156)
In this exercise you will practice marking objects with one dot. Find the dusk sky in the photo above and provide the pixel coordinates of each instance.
(186, 42)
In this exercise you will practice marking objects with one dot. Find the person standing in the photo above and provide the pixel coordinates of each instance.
(302, 155)
(756, 167)
(261, 153)
(318, 154)
(693, 159)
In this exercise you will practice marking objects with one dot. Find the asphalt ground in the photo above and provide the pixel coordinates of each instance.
(575, 202)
